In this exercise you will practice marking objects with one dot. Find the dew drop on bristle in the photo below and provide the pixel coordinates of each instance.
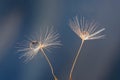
(34, 44)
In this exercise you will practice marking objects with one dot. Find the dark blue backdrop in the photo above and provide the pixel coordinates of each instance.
(100, 59)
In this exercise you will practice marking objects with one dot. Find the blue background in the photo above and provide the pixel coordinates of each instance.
(100, 59)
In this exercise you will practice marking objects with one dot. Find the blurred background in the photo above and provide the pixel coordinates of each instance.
(100, 59)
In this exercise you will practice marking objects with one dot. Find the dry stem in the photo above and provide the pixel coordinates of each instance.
(55, 78)
(73, 65)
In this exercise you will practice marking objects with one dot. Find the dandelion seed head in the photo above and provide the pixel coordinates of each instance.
(45, 40)
(84, 35)
(86, 30)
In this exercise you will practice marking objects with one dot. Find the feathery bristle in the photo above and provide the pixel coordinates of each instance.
(86, 30)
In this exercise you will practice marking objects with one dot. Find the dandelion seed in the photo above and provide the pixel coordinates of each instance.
(86, 31)
(47, 39)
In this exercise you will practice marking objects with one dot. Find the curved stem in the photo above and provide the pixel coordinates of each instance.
(73, 65)
(55, 78)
